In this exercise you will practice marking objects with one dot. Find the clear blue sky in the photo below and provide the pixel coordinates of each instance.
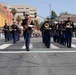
(43, 9)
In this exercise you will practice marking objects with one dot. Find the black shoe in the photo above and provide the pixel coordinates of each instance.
(27, 49)
(69, 46)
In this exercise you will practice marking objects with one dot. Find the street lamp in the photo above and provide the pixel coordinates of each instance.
(49, 9)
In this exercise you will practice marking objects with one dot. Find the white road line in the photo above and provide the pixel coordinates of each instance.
(4, 46)
(31, 46)
(18, 52)
(74, 38)
(74, 46)
(52, 46)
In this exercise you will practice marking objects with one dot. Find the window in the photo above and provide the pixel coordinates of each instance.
(3, 12)
(27, 8)
(20, 8)
(32, 10)
(5, 7)
(20, 12)
(10, 8)
(31, 13)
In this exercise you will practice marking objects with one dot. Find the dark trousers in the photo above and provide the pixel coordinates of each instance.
(27, 37)
(58, 38)
(43, 38)
(10, 36)
(14, 38)
(7, 37)
(55, 38)
(64, 39)
(69, 40)
(18, 37)
(47, 40)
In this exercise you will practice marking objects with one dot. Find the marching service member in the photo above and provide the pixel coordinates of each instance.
(14, 32)
(6, 32)
(46, 32)
(27, 24)
(69, 30)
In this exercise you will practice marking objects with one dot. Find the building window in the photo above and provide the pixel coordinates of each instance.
(31, 13)
(20, 11)
(27, 8)
(5, 7)
(32, 10)
(10, 8)
(20, 8)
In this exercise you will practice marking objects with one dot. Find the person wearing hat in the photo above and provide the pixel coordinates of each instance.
(14, 32)
(6, 32)
(46, 32)
(69, 30)
(27, 31)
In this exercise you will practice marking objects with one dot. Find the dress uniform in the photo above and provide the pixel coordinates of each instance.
(63, 39)
(46, 32)
(60, 33)
(54, 33)
(57, 31)
(6, 32)
(43, 33)
(14, 32)
(69, 30)
(63, 31)
(27, 30)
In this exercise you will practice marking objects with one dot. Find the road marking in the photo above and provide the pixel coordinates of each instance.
(5, 46)
(74, 38)
(31, 46)
(74, 46)
(52, 46)
(18, 52)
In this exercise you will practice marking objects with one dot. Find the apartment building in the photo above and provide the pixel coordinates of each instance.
(22, 8)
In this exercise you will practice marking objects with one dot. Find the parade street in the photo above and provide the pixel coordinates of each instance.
(58, 60)
(35, 45)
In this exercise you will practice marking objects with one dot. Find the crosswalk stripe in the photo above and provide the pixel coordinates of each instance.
(5, 46)
(31, 46)
(74, 38)
(52, 46)
(73, 45)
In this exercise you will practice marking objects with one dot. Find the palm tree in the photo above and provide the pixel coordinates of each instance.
(14, 11)
(18, 19)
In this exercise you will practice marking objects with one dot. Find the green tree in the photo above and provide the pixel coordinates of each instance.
(18, 19)
(64, 13)
(53, 14)
(13, 11)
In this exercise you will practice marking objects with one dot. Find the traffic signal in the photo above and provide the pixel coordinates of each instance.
(35, 14)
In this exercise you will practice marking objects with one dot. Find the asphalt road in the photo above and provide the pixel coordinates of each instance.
(14, 60)
(36, 45)
(38, 64)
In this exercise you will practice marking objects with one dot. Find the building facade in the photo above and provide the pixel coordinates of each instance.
(5, 16)
(72, 16)
(22, 8)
